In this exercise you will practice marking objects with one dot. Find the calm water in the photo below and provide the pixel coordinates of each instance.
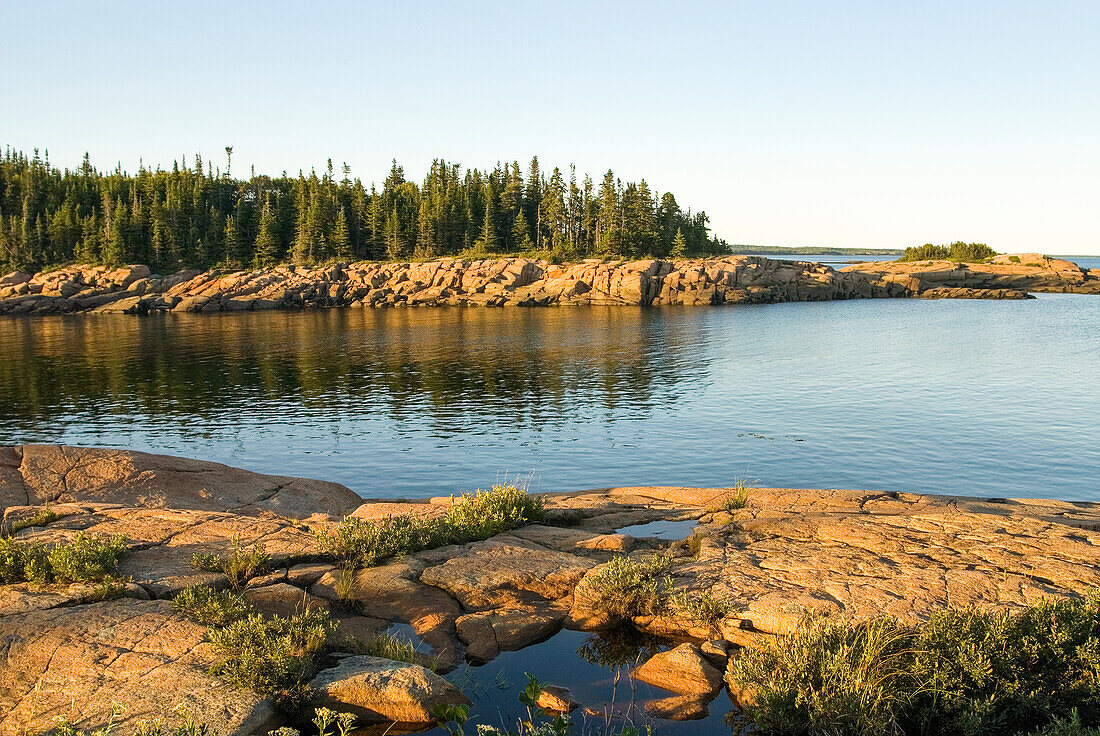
(975, 397)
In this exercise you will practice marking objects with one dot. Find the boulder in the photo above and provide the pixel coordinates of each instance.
(505, 572)
(53, 473)
(283, 599)
(488, 633)
(557, 699)
(141, 656)
(682, 670)
(379, 690)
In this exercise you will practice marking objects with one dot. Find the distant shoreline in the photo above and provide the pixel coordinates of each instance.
(813, 251)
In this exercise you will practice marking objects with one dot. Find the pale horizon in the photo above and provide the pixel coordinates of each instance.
(791, 125)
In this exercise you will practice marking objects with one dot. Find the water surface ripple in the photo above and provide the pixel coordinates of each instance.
(970, 397)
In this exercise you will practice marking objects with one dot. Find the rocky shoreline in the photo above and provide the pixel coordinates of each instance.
(787, 552)
(525, 282)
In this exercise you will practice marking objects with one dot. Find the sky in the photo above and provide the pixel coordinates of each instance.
(858, 124)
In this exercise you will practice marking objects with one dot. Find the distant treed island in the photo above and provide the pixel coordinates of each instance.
(199, 217)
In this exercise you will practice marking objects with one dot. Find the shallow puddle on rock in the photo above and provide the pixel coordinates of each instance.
(595, 668)
(667, 530)
(406, 632)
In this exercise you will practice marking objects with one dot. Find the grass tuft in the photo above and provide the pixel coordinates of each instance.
(736, 498)
(239, 566)
(392, 647)
(970, 672)
(43, 517)
(472, 517)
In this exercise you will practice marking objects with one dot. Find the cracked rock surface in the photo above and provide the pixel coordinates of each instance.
(787, 552)
(524, 282)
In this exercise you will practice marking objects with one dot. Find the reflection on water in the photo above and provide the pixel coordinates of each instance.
(596, 669)
(995, 398)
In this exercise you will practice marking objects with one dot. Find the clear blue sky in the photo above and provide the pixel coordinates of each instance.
(860, 124)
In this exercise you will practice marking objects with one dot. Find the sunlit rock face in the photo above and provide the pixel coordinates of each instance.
(785, 553)
(525, 282)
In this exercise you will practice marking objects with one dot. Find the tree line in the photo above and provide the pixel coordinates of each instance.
(197, 216)
(957, 251)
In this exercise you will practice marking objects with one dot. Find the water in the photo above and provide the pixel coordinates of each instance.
(840, 260)
(973, 397)
(664, 529)
(587, 665)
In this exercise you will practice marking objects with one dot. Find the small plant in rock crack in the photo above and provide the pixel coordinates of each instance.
(212, 607)
(43, 517)
(736, 498)
(241, 564)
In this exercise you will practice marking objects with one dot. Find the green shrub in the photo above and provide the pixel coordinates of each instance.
(957, 251)
(1070, 726)
(239, 566)
(631, 587)
(86, 559)
(483, 514)
(964, 672)
(273, 656)
(702, 607)
(212, 607)
(472, 517)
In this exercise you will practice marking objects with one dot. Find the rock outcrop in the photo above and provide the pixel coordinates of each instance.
(378, 690)
(523, 282)
(1010, 274)
(38, 474)
(788, 552)
(82, 662)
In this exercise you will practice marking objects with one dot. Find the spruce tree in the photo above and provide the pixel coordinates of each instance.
(341, 237)
(267, 244)
(521, 234)
(679, 245)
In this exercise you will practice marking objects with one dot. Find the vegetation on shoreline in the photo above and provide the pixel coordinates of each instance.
(629, 587)
(471, 517)
(196, 216)
(965, 672)
(957, 251)
(275, 655)
(86, 559)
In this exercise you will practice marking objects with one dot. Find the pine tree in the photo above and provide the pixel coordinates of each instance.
(487, 241)
(395, 245)
(679, 245)
(267, 244)
(521, 234)
(341, 237)
(425, 231)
